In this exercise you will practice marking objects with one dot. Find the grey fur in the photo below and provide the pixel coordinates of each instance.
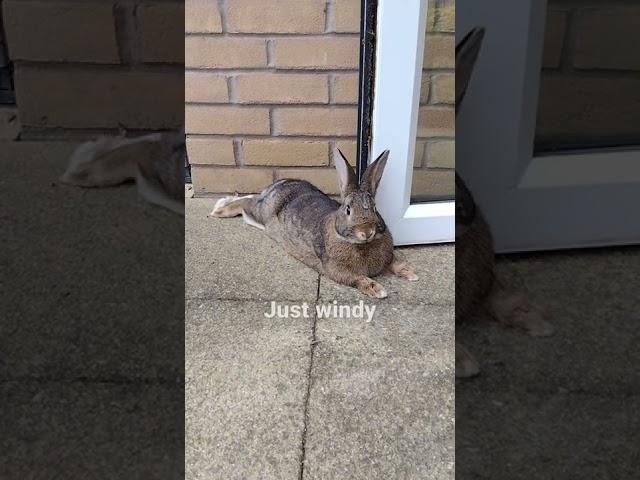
(349, 242)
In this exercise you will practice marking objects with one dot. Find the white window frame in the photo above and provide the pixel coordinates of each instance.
(398, 74)
(547, 202)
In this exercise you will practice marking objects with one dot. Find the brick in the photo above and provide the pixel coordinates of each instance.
(554, 38)
(281, 88)
(438, 183)
(441, 154)
(98, 98)
(202, 16)
(317, 52)
(208, 179)
(285, 153)
(317, 121)
(439, 51)
(345, 88)
(442, 18)
(419, 154)
(325, 179)
(435, 122)
(425, 87)
(226, 120)
(606, 38)
(443, 88)
(205, 87)
(347, 16)
(585, 113)
(207, 151)
(276, 16)
(162, 37)
(60, 32)
(350, 150)
(224, 52)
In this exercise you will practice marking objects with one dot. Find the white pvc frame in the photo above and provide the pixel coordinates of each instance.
(399, 55)
(578, 199)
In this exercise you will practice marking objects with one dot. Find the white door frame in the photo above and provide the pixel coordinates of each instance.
(580, 199)
(398, 73)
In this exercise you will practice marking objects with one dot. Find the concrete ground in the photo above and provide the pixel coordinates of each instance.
(313, 398)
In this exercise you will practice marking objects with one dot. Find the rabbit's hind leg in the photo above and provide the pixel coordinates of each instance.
(231, 206)
(403, 270)
(513, 309)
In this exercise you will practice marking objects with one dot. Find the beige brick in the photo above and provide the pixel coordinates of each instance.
(281, 88)
(317, 52)
(207, 151)
(347, 16)
(226, 120)
(442, 18)
(205, 87)
(276, 16)
(227, 180)
(607, 38)
(161, 35)
(285, 153)
(554, 38)
(224, 52)
(425, 87)
(202, 16)
(419, 154)
(318, 121)
(435, 122)
(324, 178)
(60, 32)
(444, 86)
(345, 88)
(439, 51)
(99, 98)
(441, 154)
(350, 150)
(433, 183)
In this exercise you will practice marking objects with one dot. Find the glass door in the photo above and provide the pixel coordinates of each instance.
(415, 122)
(549, 134)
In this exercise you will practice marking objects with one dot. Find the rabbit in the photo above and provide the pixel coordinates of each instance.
(347, 241)
(476, 283)
(155, 161)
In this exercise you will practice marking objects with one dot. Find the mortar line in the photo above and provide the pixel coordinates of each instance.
(303, 447)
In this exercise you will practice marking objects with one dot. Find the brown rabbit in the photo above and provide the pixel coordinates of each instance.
(348, 241)
(476, 285)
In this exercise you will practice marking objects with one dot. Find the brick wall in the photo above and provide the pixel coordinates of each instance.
(590, 85)
(96, 64)
(271, 91)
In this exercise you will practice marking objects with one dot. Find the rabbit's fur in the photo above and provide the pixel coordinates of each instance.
(476, 285)
(155, 162)
(347, 241)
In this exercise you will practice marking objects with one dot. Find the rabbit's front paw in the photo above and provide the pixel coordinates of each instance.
(372, 288)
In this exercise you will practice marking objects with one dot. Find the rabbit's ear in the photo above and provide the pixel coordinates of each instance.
(373, 174)
(466, 55)
(346, 175)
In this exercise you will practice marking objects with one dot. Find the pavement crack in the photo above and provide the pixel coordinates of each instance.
(312, 349)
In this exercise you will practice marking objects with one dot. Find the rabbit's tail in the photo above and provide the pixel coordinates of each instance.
(235, 205)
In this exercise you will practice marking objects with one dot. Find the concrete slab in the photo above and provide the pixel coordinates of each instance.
(382, 396)
(565, 406)
(91, 430)
(227, 259)
(435, 265)
(245, 391)
(96, 275)
(529, 436)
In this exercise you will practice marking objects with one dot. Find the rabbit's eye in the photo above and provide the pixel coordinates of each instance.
(348, 210)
